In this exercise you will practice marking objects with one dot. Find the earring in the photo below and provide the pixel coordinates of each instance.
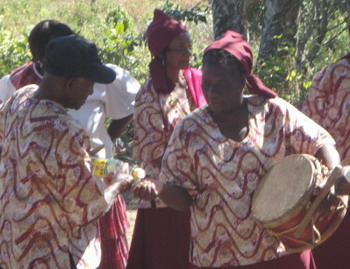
(162, 60)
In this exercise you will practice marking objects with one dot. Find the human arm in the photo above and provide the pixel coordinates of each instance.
(179, 186)
(150, 140)
(318, 138)
(174, 196)
(116, 127)
(329, 156)
(83, 197)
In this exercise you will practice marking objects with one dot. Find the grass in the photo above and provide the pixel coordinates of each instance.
(84, 16)
(88, 18)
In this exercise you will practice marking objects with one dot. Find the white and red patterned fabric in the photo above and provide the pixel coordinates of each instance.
(328, 103)
(155, 117)
(114, 100)
(24, 75)
(49, 201)
(161, 236)
(222, 174)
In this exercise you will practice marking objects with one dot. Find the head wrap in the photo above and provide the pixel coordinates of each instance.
(160, 33)
(236, 45)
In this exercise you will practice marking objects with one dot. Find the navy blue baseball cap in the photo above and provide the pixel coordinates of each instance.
(74, 56)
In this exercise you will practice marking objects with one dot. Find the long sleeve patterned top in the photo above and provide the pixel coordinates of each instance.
(221, 175)
(49, 200)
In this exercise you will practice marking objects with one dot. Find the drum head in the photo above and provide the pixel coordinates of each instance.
(284, 189)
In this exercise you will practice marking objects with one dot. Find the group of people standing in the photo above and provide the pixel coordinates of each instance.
(203, 143)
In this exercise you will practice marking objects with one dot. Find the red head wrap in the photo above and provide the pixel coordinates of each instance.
(236, 45)
(160, 33)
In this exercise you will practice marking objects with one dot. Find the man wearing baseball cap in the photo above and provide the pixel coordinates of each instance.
(49, 200)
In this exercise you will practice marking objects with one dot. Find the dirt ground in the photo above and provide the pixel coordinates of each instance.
(132, 216)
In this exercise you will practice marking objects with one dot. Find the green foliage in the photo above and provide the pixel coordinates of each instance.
(290, 69)
(12, 53)
(120, 41)
(194, 14)
(119, 15)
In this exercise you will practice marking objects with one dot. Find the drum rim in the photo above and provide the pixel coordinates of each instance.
(327, 233)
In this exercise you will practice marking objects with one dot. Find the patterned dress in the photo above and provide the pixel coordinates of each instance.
(222, 174)
(108, 100)
(328, 103)
(49, 202)
(161, 234)
(155, 118)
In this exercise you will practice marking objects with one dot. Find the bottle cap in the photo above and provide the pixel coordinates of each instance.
(138, 173)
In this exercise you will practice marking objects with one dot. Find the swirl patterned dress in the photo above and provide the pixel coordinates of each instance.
(222, 174)
(115, 101)
(161, 234)
(49, 201)
(328, 103)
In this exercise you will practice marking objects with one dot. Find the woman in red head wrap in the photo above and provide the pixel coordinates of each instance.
(217, 155)
(161, 235)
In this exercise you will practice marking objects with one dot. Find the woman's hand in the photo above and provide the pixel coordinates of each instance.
(148, 189)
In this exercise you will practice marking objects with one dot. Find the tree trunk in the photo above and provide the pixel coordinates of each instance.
(278, 41)
(228, 15)
(280, 26)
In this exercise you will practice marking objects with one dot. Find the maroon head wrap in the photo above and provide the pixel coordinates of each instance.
(236, 45)
(160, 33)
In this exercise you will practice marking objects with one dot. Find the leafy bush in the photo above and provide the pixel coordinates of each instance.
(12, 52)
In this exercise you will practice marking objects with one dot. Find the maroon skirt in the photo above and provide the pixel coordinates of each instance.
(161, 239)
(303, 260)
(335, 252)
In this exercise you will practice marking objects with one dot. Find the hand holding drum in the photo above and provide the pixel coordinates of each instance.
(295, 202)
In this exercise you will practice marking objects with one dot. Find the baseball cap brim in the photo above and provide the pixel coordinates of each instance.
(102, 74)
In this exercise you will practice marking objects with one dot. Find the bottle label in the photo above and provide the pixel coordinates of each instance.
(100, 167)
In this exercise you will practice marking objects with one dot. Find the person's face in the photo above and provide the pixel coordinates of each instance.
(179, 52)
(222, 88)
(77, 91)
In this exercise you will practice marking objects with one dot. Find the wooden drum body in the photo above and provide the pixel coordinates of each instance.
(290, 204)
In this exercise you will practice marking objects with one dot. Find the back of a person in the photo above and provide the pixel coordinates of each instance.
(327, 102)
